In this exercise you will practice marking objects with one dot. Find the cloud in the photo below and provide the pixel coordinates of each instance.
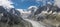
(28, 11)
(57, 2)
(33, 8)
(41, 2)
(6, 3)
(44, 2)
(38, 1)
(22, 11)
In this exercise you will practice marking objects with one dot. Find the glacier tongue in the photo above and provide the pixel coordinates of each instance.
(34, 23)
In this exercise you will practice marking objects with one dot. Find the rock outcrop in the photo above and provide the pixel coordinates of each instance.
(8, 19)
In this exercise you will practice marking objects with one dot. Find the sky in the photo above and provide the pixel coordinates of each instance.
(24, 4)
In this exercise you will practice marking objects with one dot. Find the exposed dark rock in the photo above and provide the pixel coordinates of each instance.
(1, 9)
(13, 11)
(10, 16)
(39, 10)
(47, 8)
(8, 19)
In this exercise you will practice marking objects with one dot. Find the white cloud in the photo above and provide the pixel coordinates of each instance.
(20, 10)
(6, 3)
(57, 2)
(41, 1)
(33, 8)
(23, 12)
(28, 11)
(38, 1)
(29, 8)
